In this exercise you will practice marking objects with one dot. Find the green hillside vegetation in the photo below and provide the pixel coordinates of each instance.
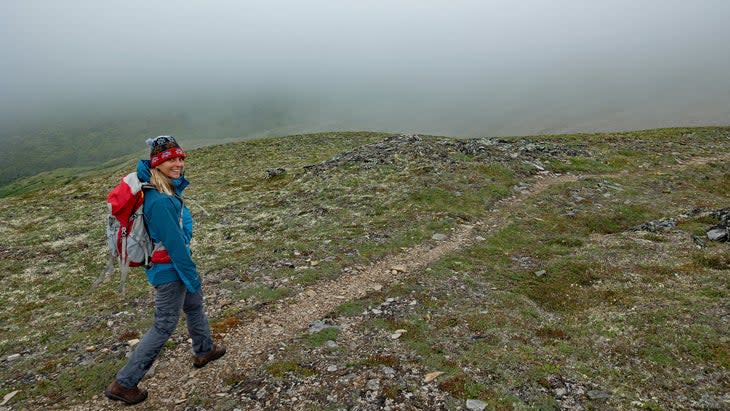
(77, 142)
(557, 302)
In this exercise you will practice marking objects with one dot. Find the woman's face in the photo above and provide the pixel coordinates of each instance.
(173, 167)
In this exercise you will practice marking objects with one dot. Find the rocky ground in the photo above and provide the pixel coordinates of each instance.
(410, 272)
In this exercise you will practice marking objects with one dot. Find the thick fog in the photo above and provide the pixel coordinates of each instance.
(450, 67)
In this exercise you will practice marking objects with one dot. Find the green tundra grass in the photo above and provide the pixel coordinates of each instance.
(641, 317)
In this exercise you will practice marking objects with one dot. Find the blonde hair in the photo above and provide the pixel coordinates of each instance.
(161, 182)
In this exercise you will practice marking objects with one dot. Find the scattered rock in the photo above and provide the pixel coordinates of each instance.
(476, 405)
(657, 225)
(12, 357)
(332, 368)
(9, 396)
(273, 172)
(432, 376)
(373, 384)
(717, 234)
(699, 241)
(319, 325)
(721, 231)
(397, 334)
(540, 273)
(598, 395)
(439, 237)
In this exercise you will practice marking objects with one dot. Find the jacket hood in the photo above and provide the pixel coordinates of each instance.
(143, 171)
(145, 174)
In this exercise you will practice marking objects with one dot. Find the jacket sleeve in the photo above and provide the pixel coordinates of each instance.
(165, 215)
(187, 220)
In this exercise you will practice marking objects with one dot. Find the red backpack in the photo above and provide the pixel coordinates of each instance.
(127, 238)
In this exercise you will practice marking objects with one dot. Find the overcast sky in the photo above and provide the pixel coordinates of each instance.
(451, 67)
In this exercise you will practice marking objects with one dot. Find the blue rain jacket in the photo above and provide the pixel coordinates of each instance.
(162, 216)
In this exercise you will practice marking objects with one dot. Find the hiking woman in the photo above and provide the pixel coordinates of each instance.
(173, 272)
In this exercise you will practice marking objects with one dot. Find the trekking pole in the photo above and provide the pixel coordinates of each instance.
(207, 214)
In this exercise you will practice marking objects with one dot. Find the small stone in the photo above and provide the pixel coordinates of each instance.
(377, 287)
(261, 393)
(540, 273)
(13, 357)
(376, 311)
(319, 325)
(330, 344)
(181, 400)
(314, 263)
(388, 371)
(9, 396)
(273, 172)
(373, 385)
(598, 395)
(560, 392)
(480, 238)
(133, 342)
(475, 405)
(414, 302)
(439, 237)
(91, 348)
(432, 376)
(311, 293)
(332, 368)
(717, 234)
(399, 268)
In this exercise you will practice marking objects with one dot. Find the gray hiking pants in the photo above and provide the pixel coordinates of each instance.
(170, 299)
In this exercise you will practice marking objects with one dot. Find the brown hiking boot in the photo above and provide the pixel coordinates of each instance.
(214, 354)
(117, 392)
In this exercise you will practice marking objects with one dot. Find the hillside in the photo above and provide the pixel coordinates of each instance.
(369, 271)
(80, 141)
